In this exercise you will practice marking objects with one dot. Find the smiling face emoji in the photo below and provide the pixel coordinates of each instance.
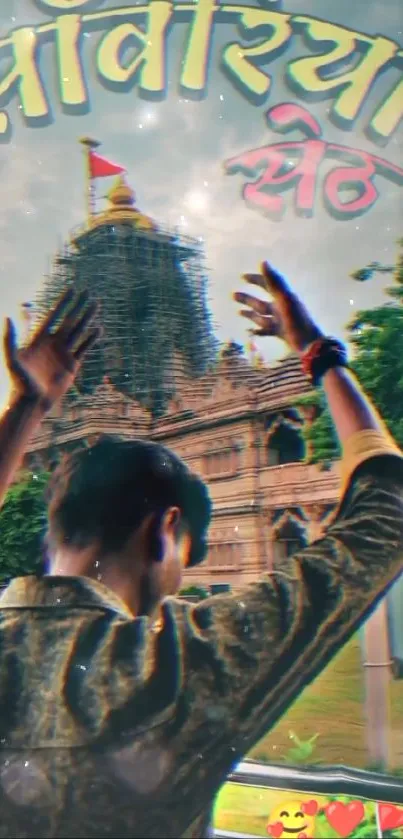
(293, 819)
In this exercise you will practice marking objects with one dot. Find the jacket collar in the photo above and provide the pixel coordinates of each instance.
(61, 592)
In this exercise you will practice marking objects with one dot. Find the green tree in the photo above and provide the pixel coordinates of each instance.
(377, 336)
(321, 443)
(22, 525)
(194, 591)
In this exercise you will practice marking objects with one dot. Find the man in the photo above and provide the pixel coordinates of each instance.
(122, 710)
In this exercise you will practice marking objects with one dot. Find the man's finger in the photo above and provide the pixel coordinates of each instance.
(256, 279)
(75, 311)
(273, 281)
(11, 351)
(11, 348)
(258, 333)
(259, 306)
(10, 343)
(53, 316)
(266, 323)
(87, 344)
(81, 326)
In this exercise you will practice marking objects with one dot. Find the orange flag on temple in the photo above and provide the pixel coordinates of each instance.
(100, 167)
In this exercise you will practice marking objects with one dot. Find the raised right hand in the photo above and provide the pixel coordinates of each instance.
(285, 317)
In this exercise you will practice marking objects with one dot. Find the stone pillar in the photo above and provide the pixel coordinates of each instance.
(377, 669)
(315, 524)
(308, 414)
(268, 534)
(253, 449)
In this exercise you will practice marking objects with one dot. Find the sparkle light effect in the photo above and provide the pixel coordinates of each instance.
(148, 119)
(197, 201)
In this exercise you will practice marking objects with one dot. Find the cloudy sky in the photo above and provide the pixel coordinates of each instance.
(174, 152)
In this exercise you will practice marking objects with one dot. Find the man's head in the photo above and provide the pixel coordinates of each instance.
(130, 514)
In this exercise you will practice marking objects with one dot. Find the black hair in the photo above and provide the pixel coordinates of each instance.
(104, 493)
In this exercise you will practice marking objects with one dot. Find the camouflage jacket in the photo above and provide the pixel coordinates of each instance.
(110, 728)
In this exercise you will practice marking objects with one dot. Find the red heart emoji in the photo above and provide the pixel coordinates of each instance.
(310, 807)
(275, 830)
(343, 818)
(390, 817)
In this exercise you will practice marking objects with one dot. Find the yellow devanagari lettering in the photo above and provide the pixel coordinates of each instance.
(66, 5)
(151, 58)
(24, 76)
(73, 90)
(314, 76)
(195, 64)
(387, 117)
(237, 59)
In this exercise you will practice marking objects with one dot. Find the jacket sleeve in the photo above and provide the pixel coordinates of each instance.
(252, 653)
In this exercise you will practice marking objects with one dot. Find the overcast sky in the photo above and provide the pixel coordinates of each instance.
(174, 151)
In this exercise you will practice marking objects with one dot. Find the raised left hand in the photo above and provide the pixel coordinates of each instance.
(46, 367)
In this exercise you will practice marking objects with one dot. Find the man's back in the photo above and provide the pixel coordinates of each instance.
(88, 748)
(113, 726)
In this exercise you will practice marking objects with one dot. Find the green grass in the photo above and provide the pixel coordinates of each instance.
(333, 707)
(245, 809)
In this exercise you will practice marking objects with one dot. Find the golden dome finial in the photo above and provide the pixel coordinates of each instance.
(122, 209)
(121, 195)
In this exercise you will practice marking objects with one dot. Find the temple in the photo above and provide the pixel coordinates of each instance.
(159, 373)
(151, 287)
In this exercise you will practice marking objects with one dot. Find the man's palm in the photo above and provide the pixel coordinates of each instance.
(46, 367)
(285, 317)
